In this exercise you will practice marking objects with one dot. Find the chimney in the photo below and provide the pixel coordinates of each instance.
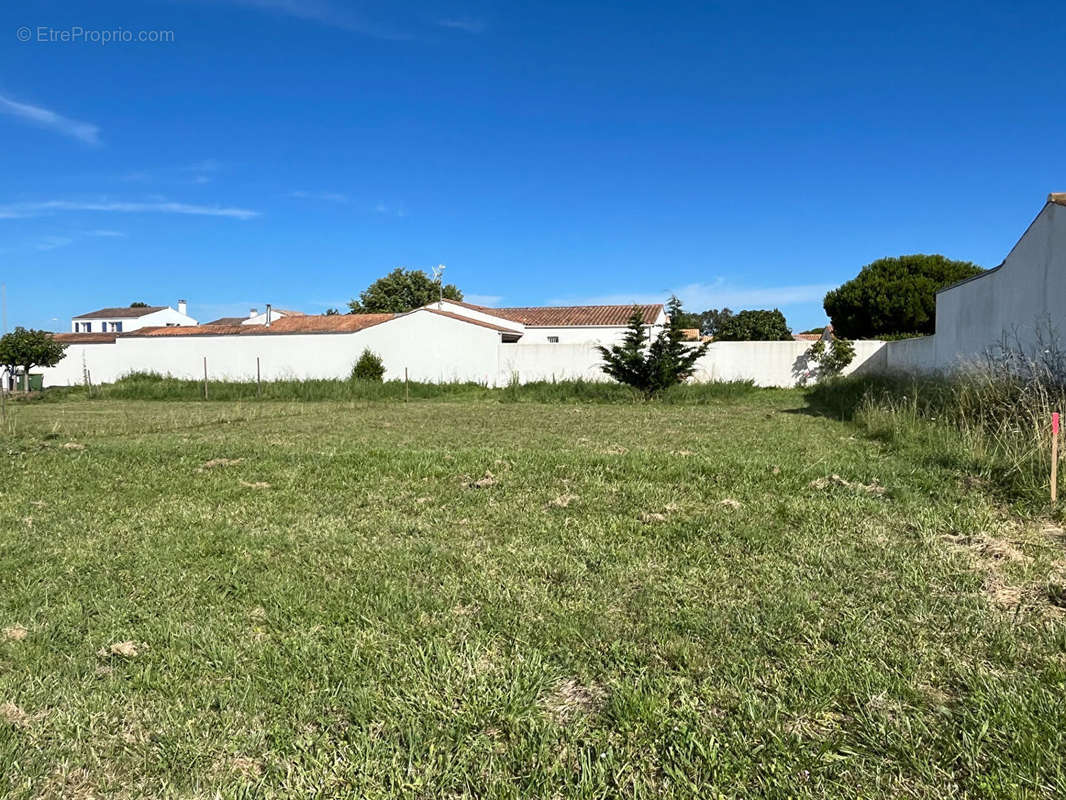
(252, 313)
(182, 306)
(268, 315)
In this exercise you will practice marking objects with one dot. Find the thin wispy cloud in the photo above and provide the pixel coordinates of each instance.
(472, 26)
(50, 120)
(717, 294)
(106, 234)
(330, 197)
(23, 210)
(385, 210)
(326, 13)
(52, 243)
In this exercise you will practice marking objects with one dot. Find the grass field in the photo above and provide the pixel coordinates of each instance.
(482, 599)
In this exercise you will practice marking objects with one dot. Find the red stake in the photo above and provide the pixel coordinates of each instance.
(1054, 456)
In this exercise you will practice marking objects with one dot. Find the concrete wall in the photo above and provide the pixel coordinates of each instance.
(432, 348)
(1025, 292)
(911, 355)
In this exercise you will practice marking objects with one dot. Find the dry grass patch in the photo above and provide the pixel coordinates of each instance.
(570, 700)
(121, 649)
(15, 633)
(563, 500)
(835, 480)
(255, 484)
(730, 504)
(13, 715)
(484, 482)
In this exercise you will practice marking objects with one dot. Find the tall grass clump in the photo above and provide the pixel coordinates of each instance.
(153, 386)
(993, 417)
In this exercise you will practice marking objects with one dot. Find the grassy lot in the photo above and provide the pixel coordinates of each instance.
(448, 599)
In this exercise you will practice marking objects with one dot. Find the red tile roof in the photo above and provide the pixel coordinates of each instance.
(125, 312)
(566, 316)
(323, 323)
(302, 323)
(85, 338)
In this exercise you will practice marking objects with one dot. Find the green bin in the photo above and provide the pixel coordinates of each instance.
(36, 381)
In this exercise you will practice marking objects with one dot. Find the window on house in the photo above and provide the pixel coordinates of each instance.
(553, 339)
(116, 327)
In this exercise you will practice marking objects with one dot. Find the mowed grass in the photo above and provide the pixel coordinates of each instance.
(475, 599)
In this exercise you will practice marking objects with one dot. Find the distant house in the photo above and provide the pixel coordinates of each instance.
(130, 318)
(605, 324)
(255, 317)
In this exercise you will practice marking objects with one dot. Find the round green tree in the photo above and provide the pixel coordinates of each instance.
(894, 296)
(402, 290)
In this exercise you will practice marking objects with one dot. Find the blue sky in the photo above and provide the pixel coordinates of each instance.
(748, 154)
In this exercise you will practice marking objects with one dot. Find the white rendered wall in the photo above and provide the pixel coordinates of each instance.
(911, 355)
(432, 348)
(1027, 291)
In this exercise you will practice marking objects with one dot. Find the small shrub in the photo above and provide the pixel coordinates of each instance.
(369, 367)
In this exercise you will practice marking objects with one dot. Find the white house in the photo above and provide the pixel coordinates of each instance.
(597, 325)
(131, 318)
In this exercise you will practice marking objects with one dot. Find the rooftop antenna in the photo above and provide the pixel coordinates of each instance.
(438, 274)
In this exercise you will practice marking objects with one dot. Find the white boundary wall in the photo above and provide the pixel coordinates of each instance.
(432, 348)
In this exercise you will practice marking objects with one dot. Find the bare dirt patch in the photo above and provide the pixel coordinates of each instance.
(730, 503)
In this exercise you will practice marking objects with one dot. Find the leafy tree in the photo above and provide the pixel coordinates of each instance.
(894, 295)
(667, 361)
(369, 367)
(332, 312)
(712, 320)
(707, 322)
(138, 304)
(27, 349)
(402, 290)
(754, 326)
(833, 359)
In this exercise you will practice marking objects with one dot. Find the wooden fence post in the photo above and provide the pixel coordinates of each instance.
(205, 377)
(258, 379)
(406, 389)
